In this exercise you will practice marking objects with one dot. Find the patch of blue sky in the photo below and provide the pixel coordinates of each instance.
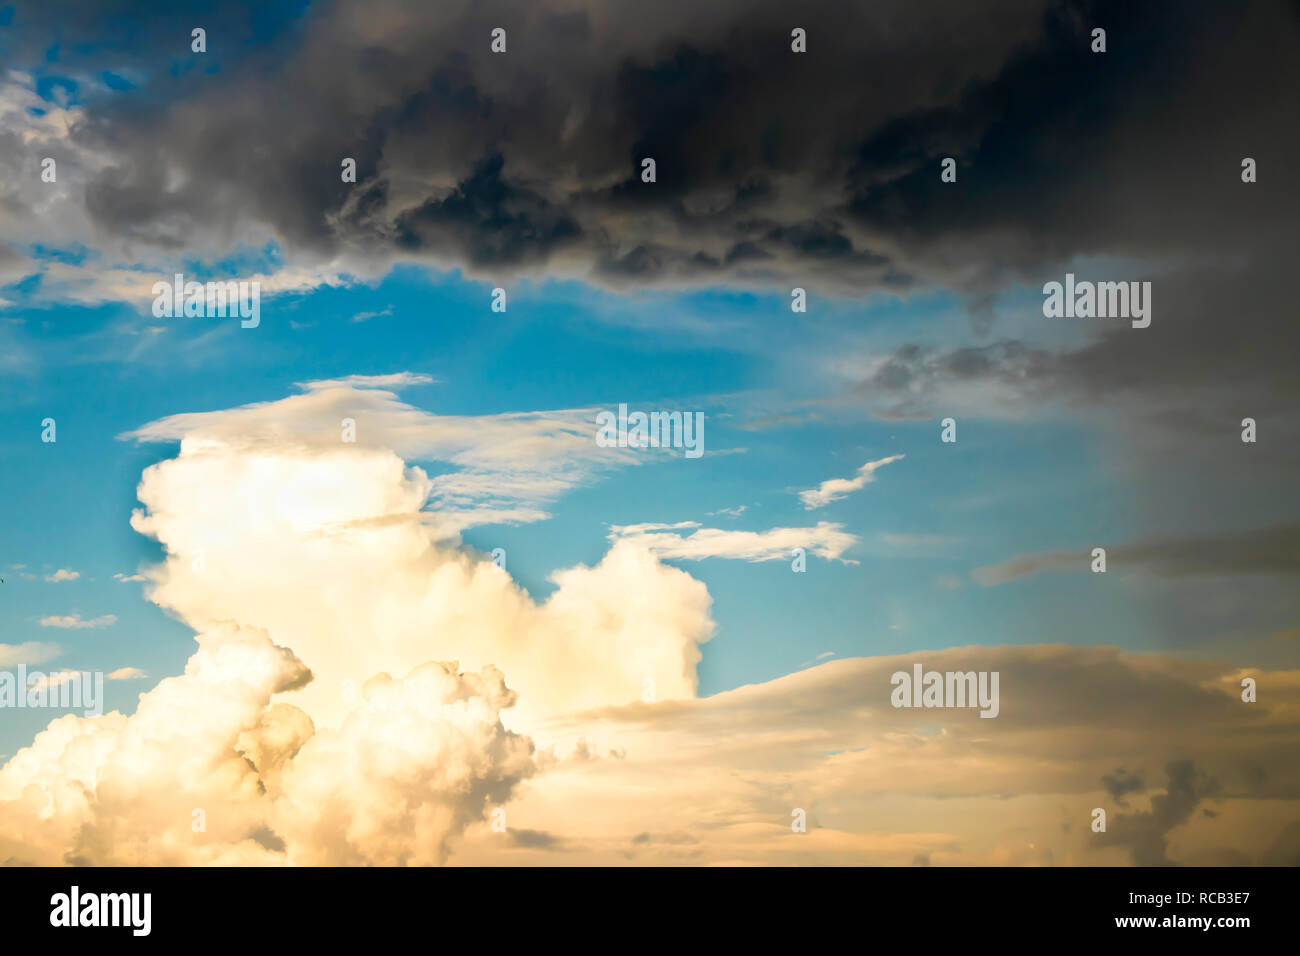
(1003, 489)
(74, 254)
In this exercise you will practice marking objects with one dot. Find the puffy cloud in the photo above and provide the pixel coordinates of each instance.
(63, 574)
(442, 690)
(113, 789)
(208, 770)
(506, 467)
(126, 673)
(328, 549)
(422, 759)
(303, 541)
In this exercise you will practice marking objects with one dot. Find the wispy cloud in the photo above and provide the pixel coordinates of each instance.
(394, 380)
(1258, 551)
(506, 467)
(367, 316)
(836, 488)
(826, 540)
(77, 622)
(823, 656)
(33, 652)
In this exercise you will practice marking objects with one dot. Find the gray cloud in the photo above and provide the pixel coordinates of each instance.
(1146, 833)
(534, 839)
(772, 166)
(1273, 550)
(1120, 783)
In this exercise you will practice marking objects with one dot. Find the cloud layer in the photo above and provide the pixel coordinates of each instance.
(818, 168)
(367, 691)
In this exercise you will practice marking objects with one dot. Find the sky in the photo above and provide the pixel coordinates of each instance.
(466, 632)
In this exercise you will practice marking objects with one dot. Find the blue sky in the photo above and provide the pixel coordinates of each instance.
(1001, 490)
(777, 171)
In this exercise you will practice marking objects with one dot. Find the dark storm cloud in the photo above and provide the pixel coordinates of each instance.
(1146, 833)
(1285, 850)
(819, 169)
(1137, 150)
(1120, 783)
(772, 166)
(1221, 347)
(488, 221)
